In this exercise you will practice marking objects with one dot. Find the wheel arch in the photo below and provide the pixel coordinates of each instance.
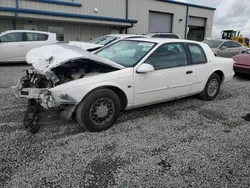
(118, 91)
(220, 73)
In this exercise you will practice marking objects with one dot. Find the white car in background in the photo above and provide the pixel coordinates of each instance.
(15, 44)
(100, 42)
(163, 35)
(128, 74)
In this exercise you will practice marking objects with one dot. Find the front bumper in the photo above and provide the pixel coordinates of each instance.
(242, 69)
(44, 96)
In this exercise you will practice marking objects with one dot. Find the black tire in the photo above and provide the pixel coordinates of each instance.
(206, 95)
(87, 111)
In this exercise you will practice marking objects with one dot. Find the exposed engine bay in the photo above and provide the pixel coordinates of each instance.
(35, 86)
(67, 72)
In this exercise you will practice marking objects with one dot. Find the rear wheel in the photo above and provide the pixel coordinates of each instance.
(99, 110)
(212, 88)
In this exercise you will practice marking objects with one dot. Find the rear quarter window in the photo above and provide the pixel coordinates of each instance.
(36, 37)
(197, 54)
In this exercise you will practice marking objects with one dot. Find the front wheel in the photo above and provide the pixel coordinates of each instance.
(98, 111)
(212, 88)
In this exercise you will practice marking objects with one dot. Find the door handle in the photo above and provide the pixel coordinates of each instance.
(20, 45)
(189, 72)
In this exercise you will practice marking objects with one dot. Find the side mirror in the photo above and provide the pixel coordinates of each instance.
(0, 40)
(223, 48)
(145, 68)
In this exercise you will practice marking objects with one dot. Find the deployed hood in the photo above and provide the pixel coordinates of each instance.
(45, 58)
(85, 45)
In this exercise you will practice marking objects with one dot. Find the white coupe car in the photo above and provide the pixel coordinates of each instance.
(125, 75)
(15, 44)
(102, 41)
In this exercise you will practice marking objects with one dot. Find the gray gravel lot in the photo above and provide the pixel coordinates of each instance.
(184, 143)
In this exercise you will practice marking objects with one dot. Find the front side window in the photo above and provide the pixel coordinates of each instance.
(197, 54)
(104, 40)
(174, 37)
(36, 37)
(59, 32)
(156, 36)
(11, 37)
(235, 45)
(126, 53)
(168, 56)
(227, 44)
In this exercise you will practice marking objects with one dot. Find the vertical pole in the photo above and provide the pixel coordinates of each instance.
(16, 15)
(126, 31)
(186, 25)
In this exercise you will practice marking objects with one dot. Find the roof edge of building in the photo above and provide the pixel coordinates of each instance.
(188, 4)
(60, 2)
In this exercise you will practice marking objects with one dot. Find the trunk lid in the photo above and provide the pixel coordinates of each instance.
(45, 58)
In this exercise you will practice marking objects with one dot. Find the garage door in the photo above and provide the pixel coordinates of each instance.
(196, 21)
(159, 22)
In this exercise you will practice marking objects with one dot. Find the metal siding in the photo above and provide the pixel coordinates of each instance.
(7, 3)
(159, 22)
(108, 8)
(196, 21)
(204, 13)
(111, 8)
(6, 24)
(72, 31)
(139, 10)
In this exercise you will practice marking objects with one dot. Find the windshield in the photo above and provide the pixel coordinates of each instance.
(126, 53)
(212, 43)
(105, 40)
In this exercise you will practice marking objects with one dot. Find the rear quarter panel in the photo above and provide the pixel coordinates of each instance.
(204, 71)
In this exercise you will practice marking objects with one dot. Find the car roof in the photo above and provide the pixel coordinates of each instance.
(153, 33)
(125, 35)
(222, 40)
(162, 40)
(13, 31)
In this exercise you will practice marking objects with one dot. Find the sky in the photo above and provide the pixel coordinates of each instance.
(229, 14)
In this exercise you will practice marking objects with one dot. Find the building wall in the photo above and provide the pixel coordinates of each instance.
(72, 31)
(139, 10)
(204, 13)
(6, 24)
(107, 8)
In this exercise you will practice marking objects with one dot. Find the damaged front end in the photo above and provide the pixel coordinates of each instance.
(35, 87)
(53, 66)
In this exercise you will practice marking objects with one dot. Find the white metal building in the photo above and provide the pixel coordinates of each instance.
(88, 19)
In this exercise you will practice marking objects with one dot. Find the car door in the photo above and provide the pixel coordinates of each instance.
(236, 48)
(199, 67)
(170, 79)
(225, 52)
(12, 47)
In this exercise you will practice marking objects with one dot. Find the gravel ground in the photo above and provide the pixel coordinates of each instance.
(184, 143)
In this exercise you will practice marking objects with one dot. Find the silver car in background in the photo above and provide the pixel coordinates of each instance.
(225, 48)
